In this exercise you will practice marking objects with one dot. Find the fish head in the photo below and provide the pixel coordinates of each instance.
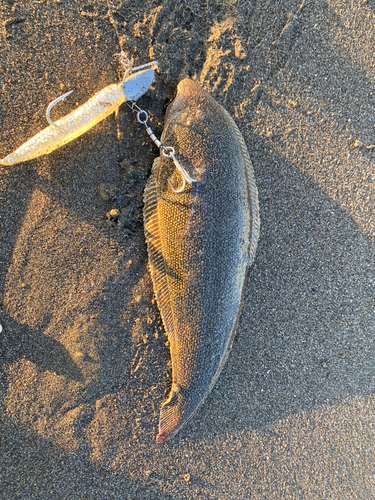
(188, 128)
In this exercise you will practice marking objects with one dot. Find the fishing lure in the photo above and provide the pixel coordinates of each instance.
(135, 83)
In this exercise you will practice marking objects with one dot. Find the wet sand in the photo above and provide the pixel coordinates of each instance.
(84, 362)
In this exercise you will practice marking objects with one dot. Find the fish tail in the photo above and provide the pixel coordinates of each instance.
(169, 423)
(175, 412)
(171, 415)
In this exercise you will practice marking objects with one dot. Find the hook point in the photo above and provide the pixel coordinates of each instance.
(52, 104)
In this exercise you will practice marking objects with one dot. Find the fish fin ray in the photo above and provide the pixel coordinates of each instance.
(157, 263)
(252, 189)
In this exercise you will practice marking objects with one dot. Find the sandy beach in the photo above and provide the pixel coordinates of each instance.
(84, 361)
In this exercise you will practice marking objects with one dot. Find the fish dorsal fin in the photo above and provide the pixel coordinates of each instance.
(155, 251)
(252, 189)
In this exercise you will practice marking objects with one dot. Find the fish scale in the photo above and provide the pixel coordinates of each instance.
(200, 243)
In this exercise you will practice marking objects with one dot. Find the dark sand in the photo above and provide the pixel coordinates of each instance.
(84, 360)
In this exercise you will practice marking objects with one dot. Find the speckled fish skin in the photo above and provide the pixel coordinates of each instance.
(200, 243)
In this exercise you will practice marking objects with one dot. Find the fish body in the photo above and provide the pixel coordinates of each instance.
(76, 123)
(200, 244)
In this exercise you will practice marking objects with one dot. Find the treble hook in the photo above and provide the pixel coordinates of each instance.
(52, 104)
(169, 152)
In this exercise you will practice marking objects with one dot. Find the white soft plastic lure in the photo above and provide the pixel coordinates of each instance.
(136, 82)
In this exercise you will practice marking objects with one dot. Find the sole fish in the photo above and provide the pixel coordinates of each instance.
(200, 244)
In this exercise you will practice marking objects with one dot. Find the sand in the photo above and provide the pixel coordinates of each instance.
(84, 362)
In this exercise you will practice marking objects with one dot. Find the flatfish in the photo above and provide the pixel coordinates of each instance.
(200, 243)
